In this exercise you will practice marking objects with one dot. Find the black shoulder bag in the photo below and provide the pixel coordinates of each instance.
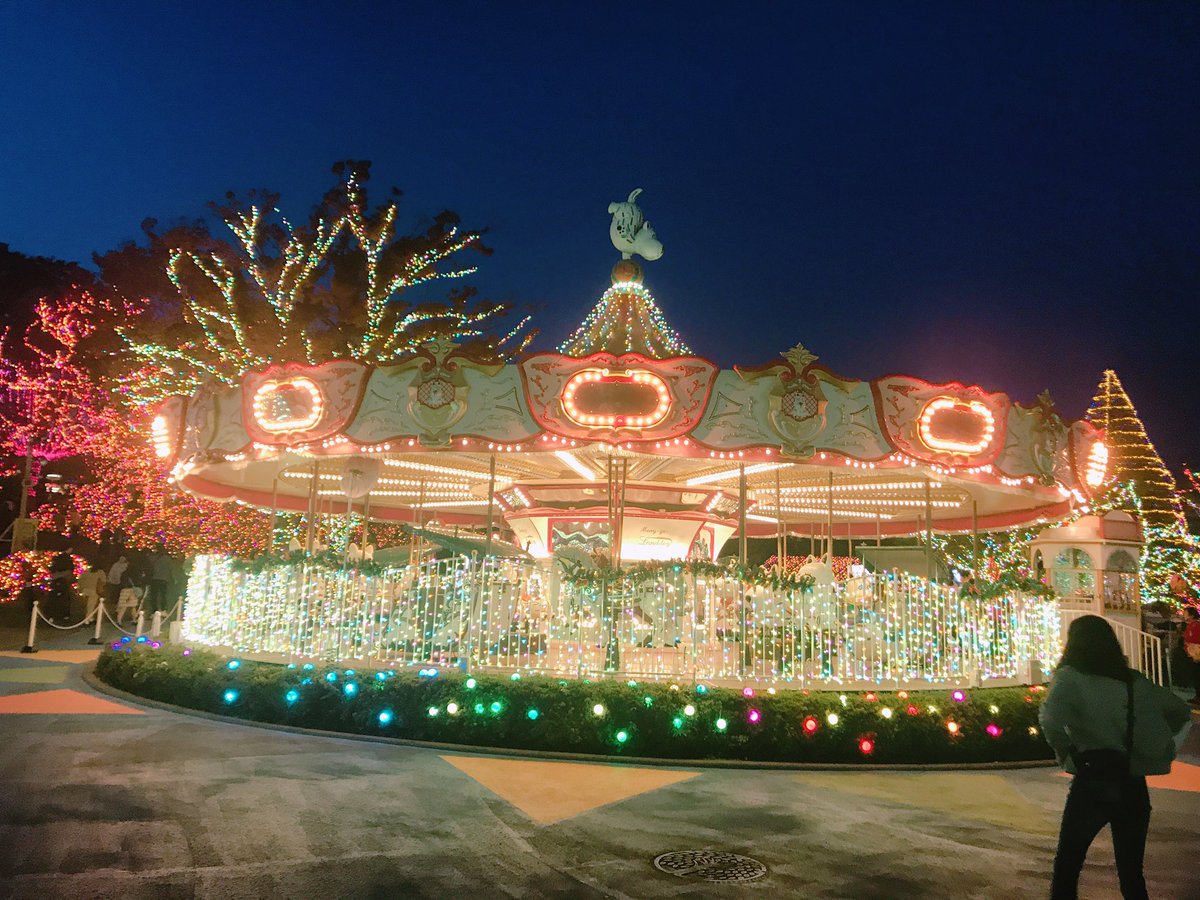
(1108, 766)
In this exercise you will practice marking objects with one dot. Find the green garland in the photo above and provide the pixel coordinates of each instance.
(326, 560)
(636, 575)
(644, 573)
(1010, 582)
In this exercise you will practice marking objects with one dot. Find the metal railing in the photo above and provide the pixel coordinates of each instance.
(885, 629)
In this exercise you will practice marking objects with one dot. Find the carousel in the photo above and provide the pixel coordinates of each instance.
(597, 501)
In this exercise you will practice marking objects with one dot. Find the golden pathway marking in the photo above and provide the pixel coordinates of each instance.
(1183, 777)
(61, 701)
(58, 656)
(549, 792)
(35, 674)
(976, 796)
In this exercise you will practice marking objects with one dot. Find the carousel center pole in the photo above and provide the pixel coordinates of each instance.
(310, 532)
(742, 623)
(975, 541)
(928, 530)
(487, 551)
(274, 511)
(829, 552)
(780, 532)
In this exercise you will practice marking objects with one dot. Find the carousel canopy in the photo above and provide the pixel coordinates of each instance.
(624, 436)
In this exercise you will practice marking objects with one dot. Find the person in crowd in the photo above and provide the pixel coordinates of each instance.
(162, 572)
(105, 555)
(62, 581)
(130, 591)
(116, 573)
(30, 591)
(92, 587)
(1191, 646)
(1110, 727)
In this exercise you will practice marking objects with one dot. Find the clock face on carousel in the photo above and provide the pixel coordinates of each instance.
(603, 399)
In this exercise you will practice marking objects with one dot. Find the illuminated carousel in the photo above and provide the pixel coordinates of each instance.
(589, 494)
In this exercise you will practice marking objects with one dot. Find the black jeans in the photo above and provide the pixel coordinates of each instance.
(1125, 806)
(156, 598)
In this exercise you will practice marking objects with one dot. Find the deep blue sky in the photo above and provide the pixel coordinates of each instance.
(1007, 194)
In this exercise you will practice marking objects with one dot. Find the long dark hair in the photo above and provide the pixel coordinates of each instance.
(1093, 648)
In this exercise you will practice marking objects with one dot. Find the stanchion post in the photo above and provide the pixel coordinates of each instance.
(29, 647)
(141, 623)
(156, 623)
(99, 621)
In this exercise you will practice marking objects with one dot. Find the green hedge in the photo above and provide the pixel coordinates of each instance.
(494, 711)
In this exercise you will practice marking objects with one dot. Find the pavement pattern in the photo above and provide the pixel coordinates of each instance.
(100, 797)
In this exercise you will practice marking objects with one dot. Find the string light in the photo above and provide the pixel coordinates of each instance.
(1142, 485)
(937, 438)
(595, 414)
(276, 409)
(625, 320)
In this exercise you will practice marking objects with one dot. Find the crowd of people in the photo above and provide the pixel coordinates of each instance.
(125, 580)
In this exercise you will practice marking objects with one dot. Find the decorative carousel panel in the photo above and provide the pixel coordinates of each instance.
(851, 424)
(213, 422)
(200, 422)
(498, 410)
(291, 404)
(618, 398)
(739, 414)
(944, 424)
(167, 426)
(1035, 444)
(410, 400)
(1089, 458)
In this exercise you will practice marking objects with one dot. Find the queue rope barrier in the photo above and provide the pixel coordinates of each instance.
(86, 620)
(108, 616)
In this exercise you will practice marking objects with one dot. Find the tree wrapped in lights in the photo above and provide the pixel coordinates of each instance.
(1147, 489)
(1191, 496)
(131, 491)
(56, 405)
(333, 287)
(52, 405)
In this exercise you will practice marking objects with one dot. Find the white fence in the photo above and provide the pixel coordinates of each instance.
(888, 629)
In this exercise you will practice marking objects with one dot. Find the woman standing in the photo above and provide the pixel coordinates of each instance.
(1191, 646)
(1110, 727)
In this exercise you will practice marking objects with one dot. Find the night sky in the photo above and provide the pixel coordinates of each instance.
(1006, 194)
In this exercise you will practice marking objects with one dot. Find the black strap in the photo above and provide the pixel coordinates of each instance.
(1129, 716)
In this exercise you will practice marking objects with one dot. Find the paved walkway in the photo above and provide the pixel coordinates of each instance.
(100, 798)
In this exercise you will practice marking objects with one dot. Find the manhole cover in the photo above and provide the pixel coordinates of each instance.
(710, 865)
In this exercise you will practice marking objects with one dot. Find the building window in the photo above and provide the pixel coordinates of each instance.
(1074, 577)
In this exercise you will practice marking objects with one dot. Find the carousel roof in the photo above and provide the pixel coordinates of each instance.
(417, 439)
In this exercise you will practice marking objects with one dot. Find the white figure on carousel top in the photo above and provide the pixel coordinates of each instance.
(630, 232)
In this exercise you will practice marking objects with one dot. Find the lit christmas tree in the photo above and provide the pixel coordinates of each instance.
(1131, 455)
(625, 320)
(1144, 486)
